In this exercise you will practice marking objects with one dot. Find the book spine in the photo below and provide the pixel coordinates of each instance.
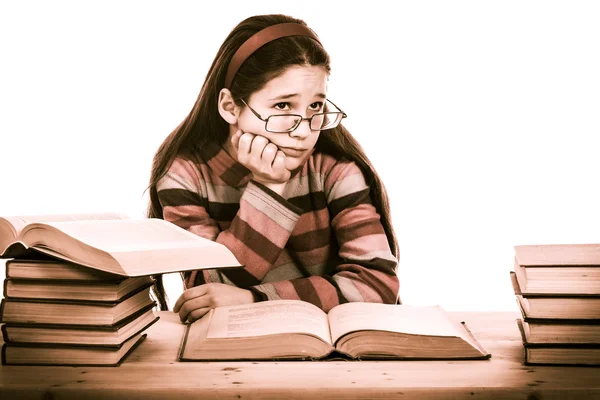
(139, 340)
(484, 352)
(3, 354)
(137, 343)
(180, 356)
(2, 310)
(4, 334)
(102, 303)
(75, 282)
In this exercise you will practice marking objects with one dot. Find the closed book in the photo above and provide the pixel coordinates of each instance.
(561, 331)
(566, 354)
(81, 335)
(584, 254)
(74, 290)
(39, 266)
(556, 306)
(558, 269)
(36, 354)
(72, 312)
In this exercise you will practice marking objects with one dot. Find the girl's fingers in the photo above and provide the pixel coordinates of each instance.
(185, 296)
(261, 156)
(279, 161)
(244, 144)
(258, 145)
(268, 154)
(189, 295)
(197, 314)
(189, 307)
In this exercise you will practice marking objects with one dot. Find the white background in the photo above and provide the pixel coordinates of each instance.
(481, 117)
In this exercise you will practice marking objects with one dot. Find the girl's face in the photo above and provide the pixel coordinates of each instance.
(299, 90)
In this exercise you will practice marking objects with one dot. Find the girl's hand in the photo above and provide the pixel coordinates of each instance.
(262, 157)
(197, 301)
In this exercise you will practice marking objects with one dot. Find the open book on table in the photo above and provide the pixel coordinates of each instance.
(125, 247)
(11, 226)
(294, 329)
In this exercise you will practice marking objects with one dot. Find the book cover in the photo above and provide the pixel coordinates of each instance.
(64, 355)
(559, 354)
(83, 335)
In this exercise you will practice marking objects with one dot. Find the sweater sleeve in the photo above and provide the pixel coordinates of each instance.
(367, 272)
(256, 236)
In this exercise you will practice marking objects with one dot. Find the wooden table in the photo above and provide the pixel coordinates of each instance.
(153, 372)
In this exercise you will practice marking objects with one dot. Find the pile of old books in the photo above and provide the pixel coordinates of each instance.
(557, 288)
(78, 287)
(60, 313)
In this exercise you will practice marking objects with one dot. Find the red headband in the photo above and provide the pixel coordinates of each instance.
(261, 38)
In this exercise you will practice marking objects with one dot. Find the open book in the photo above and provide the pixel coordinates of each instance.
(11, 227)
(294, 329)
(124, 247)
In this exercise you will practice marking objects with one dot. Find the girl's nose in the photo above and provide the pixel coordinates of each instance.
(303, 130)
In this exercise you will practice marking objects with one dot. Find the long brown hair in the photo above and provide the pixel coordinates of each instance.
(204, 124)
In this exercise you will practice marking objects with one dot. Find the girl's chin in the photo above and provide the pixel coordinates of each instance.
(291, 163)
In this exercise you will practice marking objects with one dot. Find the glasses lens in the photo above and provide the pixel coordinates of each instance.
(282, 123)
(325, 121)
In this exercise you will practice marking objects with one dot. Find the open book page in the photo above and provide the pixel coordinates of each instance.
(149, 245)
(416, 320)
(131, 235)
(19, 222)
(268, 318)
(11, 227)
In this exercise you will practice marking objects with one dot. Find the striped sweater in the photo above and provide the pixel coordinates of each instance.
(321, 241)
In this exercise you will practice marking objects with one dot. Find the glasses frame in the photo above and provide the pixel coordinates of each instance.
(300, 118)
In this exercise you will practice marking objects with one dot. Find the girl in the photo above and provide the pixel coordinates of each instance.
(262, 165)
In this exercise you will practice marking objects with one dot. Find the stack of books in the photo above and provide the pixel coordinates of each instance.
(557, 288)
(77, 288)
(60, 313)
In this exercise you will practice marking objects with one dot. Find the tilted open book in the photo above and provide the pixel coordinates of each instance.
(11, 227)
(124, 247)
(294, 329)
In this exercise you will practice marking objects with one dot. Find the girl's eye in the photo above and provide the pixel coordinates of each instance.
(317, 106)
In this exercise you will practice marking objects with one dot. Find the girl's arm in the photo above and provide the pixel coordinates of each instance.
(256, 236)
(368, 272)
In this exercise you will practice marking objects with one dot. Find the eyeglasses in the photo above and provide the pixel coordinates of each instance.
(286, 123)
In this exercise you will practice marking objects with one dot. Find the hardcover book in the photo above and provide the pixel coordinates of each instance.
(294, 329)
(556, 306)
(75, 290)
(124, 247)
(33, 354)
(73, 312)
(81, 335)
(558, 268)
(559, 353)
